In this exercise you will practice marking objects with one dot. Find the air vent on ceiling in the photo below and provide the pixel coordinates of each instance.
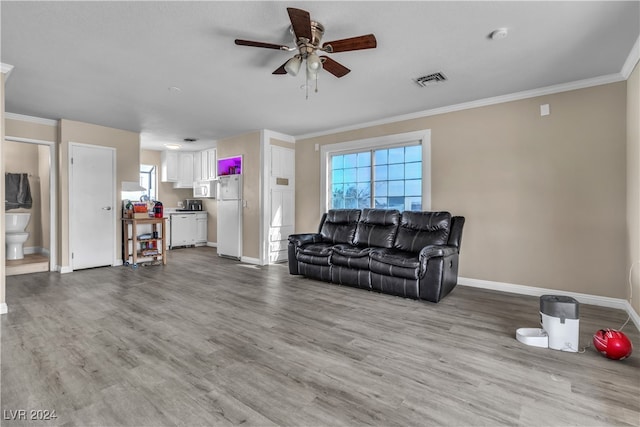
(190, 140)
(430, 79)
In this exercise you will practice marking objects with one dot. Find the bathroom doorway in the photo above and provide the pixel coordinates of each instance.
(36, 159)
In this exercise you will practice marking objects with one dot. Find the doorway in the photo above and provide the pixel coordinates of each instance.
(92, 202)
(39, 159)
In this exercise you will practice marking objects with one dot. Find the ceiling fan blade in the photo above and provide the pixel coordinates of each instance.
(301, 22)
(281, 70)
(334, 67)
(261, 44)
(352, 43)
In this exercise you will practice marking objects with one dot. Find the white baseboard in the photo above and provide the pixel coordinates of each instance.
(250, 260)
(212, 244)
(4, 309)
(618, 303)
(64, 269)
(117, 263)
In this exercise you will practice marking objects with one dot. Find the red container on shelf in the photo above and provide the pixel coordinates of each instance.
(157, 210)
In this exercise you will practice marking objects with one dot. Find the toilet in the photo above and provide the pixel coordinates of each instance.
(15, 236)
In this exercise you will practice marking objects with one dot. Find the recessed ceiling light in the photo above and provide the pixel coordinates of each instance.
(498, 34)
(173, 146)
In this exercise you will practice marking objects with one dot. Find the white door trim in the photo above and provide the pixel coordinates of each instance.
(53, 199)
(265, 204)
(71, 198)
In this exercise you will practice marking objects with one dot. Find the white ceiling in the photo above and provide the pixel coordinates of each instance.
(112, 63)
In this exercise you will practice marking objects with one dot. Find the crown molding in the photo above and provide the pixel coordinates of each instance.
(268, 134)
(31, 119)
(632, 60)
(548, 90)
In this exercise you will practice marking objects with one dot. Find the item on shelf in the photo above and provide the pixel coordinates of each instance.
(127, 209)
(140, 210)
(145, 236)
(158, 210)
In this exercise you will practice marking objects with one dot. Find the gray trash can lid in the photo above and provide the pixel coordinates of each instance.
(559, 306)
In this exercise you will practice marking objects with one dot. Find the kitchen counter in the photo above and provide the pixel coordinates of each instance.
(169, 211)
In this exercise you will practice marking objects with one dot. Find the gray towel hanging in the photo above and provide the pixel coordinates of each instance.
(17, 191)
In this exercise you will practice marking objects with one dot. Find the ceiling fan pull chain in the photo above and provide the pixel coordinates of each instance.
(306, 83)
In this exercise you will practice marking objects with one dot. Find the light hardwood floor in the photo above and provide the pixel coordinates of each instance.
(210, 341)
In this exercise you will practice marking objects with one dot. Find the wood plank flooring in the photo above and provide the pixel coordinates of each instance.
(210, 341)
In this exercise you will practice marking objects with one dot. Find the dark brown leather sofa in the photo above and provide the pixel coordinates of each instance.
(409, 254)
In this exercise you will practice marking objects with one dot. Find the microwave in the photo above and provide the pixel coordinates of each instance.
(204, 189)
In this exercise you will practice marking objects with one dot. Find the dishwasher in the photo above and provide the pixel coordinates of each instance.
(183, 230)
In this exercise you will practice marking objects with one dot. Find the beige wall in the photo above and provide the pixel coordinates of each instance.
(633, 183)
(20, 157)
(211, 206)
(127, 145)
(543, 196)
(31, 130)
(248, 146)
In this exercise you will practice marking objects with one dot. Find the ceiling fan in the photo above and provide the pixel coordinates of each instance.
(307, 37)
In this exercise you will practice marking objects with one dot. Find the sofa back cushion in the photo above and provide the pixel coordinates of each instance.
(420, 229)
(377, 227)
(340, 225)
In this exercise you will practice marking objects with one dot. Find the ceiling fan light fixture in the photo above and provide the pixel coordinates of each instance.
(313, 62)
(293, 65)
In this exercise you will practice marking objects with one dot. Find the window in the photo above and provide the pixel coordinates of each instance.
(148, 181)
(385, 173)
(388, 178)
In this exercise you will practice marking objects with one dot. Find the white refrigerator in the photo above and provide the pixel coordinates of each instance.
(230, 216)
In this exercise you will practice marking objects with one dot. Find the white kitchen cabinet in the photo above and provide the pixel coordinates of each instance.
(204, 165)
(201, 228)
(169, 166)
(185, 170)
(198, 171)
(212, 164)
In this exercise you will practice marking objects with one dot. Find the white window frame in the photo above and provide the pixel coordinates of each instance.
(423, 137)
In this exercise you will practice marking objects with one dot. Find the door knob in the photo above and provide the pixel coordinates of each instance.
(106, 208)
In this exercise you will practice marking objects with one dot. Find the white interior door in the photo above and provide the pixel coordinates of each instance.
(282, 201)
(92, 210)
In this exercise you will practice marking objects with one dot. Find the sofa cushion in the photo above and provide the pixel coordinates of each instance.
(393, 262)
(377, 227)
(350, 256)
(340, 225)
(420, 229)
(315, 253)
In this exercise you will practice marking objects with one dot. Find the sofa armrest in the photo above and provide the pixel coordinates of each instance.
(304, 239)
(433, 251)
